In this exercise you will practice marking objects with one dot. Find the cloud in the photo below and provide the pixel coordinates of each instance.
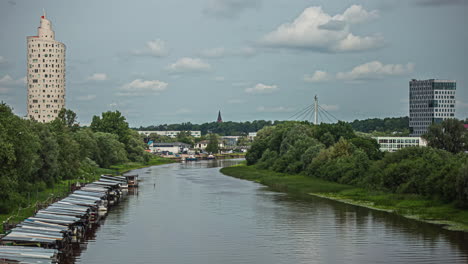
(156, 48)
(141, 87)
(189, 65)
(375, 70)
(461, 104)
(261, 89)
(440, 2)
(318, 76)
(3, 61)
(330, 107)
(219, 78)
(88, 97)
(277, 109)
(7, 83)
(98, 77)
(316, 30)
(229, 8)
(221, 52)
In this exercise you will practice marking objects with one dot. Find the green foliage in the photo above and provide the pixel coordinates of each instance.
(387, 125)
(212, 146)
(35, 156)
(185, 137)
(449, 135)
(334, 153)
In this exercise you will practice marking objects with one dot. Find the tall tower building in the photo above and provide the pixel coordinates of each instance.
(431, 101)
(45, 74)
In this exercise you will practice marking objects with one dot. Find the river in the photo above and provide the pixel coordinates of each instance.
(191, 213)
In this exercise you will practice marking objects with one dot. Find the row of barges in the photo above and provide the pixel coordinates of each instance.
(50, 234)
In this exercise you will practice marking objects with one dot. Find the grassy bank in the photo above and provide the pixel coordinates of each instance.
(411, 206)
(61, 189)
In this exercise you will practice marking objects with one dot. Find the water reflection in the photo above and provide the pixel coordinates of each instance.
(190, 213)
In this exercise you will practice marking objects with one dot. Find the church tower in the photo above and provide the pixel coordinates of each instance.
(220, 120)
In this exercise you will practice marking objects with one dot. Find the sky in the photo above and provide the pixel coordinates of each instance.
(177, 61)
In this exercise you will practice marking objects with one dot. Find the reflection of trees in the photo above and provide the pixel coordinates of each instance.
(349, 218)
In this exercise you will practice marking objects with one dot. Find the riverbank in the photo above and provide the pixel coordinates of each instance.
(62, 189)
(410, 206)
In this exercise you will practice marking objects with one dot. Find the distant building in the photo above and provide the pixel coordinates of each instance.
(204, 143)
(220, 120)
(230, 140)
(45, 74)
(431, 101)
(171, 134)
(252, 135)
(392, 144)
(175, 148)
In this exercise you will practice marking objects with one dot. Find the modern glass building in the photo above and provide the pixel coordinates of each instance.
(431, 101)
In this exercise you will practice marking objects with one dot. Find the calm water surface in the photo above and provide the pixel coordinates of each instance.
(191, 213)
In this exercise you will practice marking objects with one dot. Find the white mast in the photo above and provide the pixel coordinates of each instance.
(316, 110)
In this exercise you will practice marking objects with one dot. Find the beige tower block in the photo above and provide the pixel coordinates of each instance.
(45, 74)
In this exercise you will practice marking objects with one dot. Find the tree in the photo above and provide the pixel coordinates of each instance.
(212, 146)
(111, 151)
(185, 137)
(449, 135)
(111, 122)
(68, 117)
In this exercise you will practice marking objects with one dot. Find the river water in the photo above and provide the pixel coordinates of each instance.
(191, 213)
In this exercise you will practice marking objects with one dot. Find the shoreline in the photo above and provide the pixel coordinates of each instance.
(409, 206)
(62, 189)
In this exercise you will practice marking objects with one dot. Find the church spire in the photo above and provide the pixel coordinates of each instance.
(220, 120)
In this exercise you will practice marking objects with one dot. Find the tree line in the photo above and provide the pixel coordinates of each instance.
(335, 153)
(34, 156)
(385, 125)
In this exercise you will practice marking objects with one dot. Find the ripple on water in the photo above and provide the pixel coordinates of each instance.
(190, 213)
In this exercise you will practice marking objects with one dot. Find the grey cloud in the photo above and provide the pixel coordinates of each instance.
(229, 8)
(335, 25)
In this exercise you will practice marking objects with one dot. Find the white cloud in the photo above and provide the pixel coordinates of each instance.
(141, 87)
(98, 77)
(262, 88)
(88, 97)
(7, 83)
(316, 30)
(157, 48)
(189, 65)
(229, 8)
(375, 70)
(277, 109)
(318, 76)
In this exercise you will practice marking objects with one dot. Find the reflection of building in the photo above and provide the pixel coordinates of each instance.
(171, 134)
(175, 148)
(45, 74)
(392, 144)
(431, 101)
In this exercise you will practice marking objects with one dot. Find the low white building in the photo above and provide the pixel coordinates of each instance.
(392, 144)
(175, 148)
(252, 135)
(171, 134)
(204, 143)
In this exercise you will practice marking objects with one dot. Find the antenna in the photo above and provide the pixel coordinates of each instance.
(316, 110)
